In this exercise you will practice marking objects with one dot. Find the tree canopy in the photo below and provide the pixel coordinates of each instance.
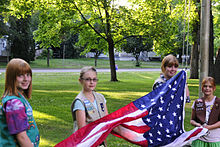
(163, 21)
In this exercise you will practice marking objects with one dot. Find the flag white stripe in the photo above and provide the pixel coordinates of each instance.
(91, 140)
(138, 122)
(180, 141)
(129, 134)
(101, 125)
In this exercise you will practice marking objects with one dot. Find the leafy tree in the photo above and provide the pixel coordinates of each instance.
(3, 27)
(196, 40)
(136, 45)
(91, 42)
(217, 69)
(3, 6)
(194, 61)
(157, 19)
(71, 49)
(165, 19)
(97, 53)
(59, 17)
(216, 27)
(53, 29)
(21, 39)
(216, 21)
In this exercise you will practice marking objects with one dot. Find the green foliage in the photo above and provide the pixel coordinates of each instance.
(3, 27)
(48, 33)
(216, 21)
(71, 48)
(3, 6)
(44, 53)
(107, 20)
(21, 39)
(89, 40)
(163, 19)
(136, 45)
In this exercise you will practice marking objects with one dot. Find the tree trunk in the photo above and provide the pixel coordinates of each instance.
(217, 69)
(137, 61)
(194, 61)
(96, 57)
(110, 44)
(48, 57)
(112, 59)
(211, 46)
(204, 42)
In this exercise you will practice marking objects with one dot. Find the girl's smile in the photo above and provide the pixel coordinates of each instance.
(23, 81)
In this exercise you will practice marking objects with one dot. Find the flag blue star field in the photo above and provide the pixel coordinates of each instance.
(156, 119)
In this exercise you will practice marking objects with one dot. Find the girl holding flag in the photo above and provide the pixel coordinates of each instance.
(88, 105)
(169, 67)
(206, 113)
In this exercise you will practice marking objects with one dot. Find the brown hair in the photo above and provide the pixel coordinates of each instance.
(209, 79)
(85, 69)
(169, 60)
(15, 68)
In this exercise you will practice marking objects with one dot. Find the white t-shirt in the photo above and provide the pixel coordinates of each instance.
(79, 106)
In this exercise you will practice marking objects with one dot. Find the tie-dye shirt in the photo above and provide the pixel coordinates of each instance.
(16, 117)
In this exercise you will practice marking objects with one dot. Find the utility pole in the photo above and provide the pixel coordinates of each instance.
(204, 42)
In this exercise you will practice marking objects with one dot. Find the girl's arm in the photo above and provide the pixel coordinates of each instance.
(24, 140)
(81, 118)
(213, 126)
(106, 112)
(194, 123)
(187, 90)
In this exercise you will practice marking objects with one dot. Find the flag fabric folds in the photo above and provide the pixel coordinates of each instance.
(156, 119)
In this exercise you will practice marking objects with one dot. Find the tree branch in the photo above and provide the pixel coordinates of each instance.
(88, 21)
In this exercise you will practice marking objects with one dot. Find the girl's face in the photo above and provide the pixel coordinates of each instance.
(89, 81)
(23, 81)
(208, 89)
(170, 71)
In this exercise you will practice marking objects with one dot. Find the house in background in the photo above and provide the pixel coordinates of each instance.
(4, 50)
(123, 56)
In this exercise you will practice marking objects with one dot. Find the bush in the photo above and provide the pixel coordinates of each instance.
(43, 55)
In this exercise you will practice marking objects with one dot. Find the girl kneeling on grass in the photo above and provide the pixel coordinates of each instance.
(88, 105)
(206, 113)
(16, 109)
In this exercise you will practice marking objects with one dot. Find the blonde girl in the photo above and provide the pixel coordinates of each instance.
(88, 105)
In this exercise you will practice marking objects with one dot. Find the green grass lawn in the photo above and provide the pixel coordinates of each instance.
(79, 63)
(53, 94)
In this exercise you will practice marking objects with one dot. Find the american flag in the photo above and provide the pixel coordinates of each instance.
(156, 119)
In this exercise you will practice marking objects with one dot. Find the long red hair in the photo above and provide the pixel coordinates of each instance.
(15, 68)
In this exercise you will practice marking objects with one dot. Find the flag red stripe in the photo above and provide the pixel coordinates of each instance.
(143, 143)
(82, 133)
(194, 133)
(138, 129)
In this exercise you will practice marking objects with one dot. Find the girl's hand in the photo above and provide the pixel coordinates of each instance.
(24, 140)
(194, 123)
(207, 127)
(213, 126)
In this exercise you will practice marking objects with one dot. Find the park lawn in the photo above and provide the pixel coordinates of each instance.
(81, 62)
(53, 94)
